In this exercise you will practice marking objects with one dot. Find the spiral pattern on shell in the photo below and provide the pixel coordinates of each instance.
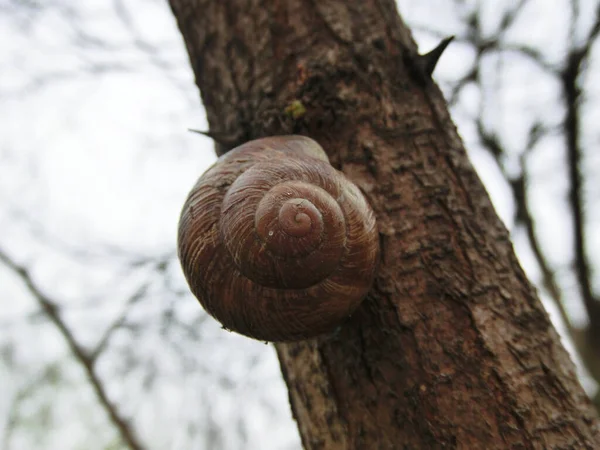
(275, 243)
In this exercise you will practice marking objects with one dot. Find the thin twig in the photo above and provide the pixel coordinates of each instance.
(572, 125)
(117, 324)
(51, 310)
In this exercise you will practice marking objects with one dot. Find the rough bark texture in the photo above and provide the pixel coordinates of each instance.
(452, 348)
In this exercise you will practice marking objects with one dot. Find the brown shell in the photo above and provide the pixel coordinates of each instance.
(277, 244)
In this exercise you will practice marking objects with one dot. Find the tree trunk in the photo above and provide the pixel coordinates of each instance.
(452, 348)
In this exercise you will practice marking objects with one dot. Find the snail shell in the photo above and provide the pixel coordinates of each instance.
(275, 243)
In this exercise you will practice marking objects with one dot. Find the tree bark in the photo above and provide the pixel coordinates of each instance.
(452, 348)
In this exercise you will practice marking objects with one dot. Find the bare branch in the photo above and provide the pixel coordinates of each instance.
(572, 125)
(103, 342)
(51, 310)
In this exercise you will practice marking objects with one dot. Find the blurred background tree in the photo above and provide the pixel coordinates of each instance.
(102, 346)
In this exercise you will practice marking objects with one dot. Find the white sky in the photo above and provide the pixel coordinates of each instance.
(95, 163)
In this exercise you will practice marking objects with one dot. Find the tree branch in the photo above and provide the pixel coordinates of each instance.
(50, 308)
(572, 125)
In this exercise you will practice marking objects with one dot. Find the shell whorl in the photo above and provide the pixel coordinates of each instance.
(277, 244)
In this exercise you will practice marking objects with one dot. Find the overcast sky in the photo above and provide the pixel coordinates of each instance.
(95, 163)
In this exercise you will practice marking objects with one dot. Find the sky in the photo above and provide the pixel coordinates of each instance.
(95, 164)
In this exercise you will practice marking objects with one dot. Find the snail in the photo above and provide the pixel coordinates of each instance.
(275, 243)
